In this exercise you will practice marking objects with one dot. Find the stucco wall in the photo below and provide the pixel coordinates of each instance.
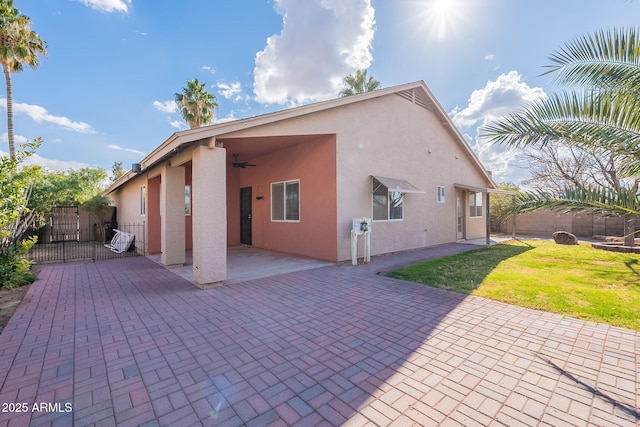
(127, 202)
(405, 141)
(188, 223)
(154, 244)
(313, 164)
(476, 227)
(394, 138)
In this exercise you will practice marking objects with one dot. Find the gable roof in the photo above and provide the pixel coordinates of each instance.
(416, 92)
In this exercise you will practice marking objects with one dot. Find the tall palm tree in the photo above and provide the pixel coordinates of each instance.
(358, 83)
(196, 104)
(600, 111)
(19, 46)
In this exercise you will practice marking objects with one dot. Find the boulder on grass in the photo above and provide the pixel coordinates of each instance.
(564, 238)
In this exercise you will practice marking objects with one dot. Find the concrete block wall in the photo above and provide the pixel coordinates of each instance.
(545, 223)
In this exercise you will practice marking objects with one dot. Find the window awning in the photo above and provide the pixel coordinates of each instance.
(484, 190)
(397, 185)
(471, 188)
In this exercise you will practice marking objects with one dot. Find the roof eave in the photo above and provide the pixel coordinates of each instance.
(179, 139)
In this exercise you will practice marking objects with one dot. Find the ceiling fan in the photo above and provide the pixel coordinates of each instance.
(237, 164)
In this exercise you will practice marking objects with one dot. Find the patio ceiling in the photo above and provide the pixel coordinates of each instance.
(250, 148)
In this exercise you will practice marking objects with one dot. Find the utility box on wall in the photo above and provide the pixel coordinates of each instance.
(361, 227)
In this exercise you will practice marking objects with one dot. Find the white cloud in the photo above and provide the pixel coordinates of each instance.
(230, 118)
(497, 99)
(178, 124)
(40, 114)
(503, 162)
(19, 139)
(321, 42)
(129, 150)
(228, 90)
(489, 57)
(108, 5)
(51, 164)
(232, 91)
(507, 94)
(209, 69)
(169, 107)
(54, 164)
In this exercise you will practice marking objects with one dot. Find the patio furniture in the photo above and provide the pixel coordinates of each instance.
(120, 242)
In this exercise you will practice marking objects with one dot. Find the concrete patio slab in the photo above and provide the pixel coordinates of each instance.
(127, 342)
(247, 263)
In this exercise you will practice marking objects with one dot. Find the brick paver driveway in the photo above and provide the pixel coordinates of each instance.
(127, 342)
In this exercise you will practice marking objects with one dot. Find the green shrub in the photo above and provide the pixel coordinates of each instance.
(14, 268)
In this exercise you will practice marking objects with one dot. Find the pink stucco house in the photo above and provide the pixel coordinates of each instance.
(392, 155)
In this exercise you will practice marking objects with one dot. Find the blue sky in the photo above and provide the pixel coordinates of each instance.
(104, 92)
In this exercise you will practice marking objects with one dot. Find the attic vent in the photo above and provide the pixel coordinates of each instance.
(415, 97)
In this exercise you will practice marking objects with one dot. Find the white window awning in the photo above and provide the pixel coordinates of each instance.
(397, 185)
(471, 188)
(484, 190)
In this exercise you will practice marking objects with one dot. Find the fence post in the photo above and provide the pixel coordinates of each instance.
(64, 238)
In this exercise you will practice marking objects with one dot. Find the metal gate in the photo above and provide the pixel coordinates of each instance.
(88, 244)
(64, 224)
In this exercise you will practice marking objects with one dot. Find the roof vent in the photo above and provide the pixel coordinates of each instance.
(136, 167)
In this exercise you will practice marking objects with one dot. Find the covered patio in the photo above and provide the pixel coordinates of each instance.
(247, 263)
(227, 188)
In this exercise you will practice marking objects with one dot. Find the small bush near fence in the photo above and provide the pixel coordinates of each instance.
(86, 244)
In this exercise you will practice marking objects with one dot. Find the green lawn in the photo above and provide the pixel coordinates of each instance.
(576, 281)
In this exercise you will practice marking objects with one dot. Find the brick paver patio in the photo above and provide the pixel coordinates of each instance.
(127, 342)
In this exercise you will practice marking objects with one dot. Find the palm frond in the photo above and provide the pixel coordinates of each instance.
(196, 104)
(604, 120)
(598, 200)
(606, 59)
(358, 83)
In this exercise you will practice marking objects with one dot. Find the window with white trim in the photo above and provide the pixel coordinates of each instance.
(386, 205)
(441, 198)
(475, 205)
(143, 200)
(285, 201)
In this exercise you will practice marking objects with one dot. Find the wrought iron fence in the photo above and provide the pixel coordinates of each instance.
(93, 243)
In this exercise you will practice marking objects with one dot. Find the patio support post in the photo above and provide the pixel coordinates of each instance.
(513, 222)
(209, 215)
(172, 224)
(488, 224)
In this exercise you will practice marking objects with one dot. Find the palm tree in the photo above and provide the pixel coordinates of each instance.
(600, 111)
(358, 83)
(196, 104)
(19, 46)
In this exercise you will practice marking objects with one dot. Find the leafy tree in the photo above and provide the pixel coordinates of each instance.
(19, 46)
(196, 104)
(62, 188)
(600, 112)
(501, 207)
(116, 171)
(358, 83)
(15, 217)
